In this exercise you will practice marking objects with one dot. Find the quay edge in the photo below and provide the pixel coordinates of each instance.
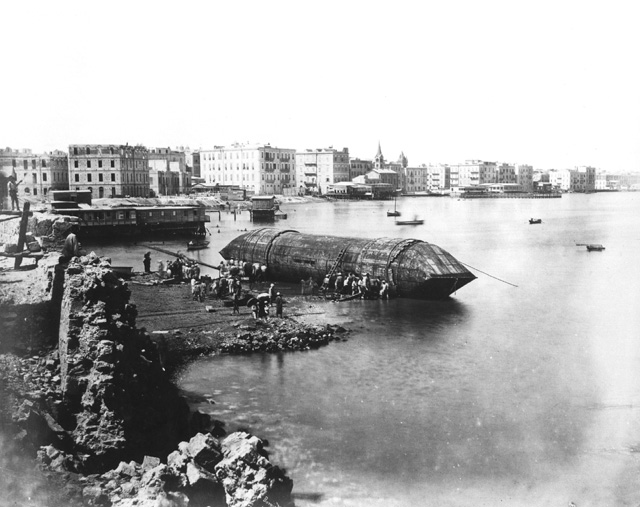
(414, 268)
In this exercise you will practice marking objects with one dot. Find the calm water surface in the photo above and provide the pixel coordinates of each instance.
(526, 395)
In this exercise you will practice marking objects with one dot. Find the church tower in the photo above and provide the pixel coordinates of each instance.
(402, 160)
(378, 162)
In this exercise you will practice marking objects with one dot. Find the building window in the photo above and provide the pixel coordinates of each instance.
(99, 163)
(113, 163)
(75, 151)
(100, 178)
(88, 151)
(88, 164)
(76, 178)
(44, 176)
(75, 164)
(25, 164)
(89, 177)
(44, 163)
(113, 177)
(35, 191)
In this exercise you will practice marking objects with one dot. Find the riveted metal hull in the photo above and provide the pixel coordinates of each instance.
(415, 269)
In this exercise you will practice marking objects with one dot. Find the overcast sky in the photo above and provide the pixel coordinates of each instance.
(551, 83)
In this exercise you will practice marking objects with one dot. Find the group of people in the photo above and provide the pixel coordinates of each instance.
(365, 286)
(229, 283)
(260, 306)
(255, 272)
(181, 268)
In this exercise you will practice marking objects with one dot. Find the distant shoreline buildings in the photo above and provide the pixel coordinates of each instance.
(109, 170)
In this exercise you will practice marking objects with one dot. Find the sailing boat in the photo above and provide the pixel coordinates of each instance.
(395, 212)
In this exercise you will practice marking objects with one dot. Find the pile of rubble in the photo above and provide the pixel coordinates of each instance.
(281, 335)
(234, 472)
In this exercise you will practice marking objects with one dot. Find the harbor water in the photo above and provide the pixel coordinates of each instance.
(522, 389)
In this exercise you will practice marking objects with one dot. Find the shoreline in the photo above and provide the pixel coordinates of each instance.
(36, 378)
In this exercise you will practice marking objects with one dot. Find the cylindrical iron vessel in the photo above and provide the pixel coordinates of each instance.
(415, 269)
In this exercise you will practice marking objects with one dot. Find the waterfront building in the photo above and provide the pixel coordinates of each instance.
(524, 176)
(168, 172)
(386, 176)
(359, 167)
(580, 179)
(503, 173)
(260, 169)
(585, 179)
(630, 181)
(318, 169)
(40, 173)
(425, 178)
(109, 170)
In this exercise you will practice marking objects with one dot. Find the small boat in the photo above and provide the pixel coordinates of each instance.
(395, 212)
(415, 221)
(535, 220)
(197, 245)
(595, 248)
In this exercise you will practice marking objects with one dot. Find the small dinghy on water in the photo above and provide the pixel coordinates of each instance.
(197, 245)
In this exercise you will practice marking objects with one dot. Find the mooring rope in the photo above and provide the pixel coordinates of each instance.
(499, 279)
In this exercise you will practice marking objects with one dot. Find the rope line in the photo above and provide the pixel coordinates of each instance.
(499, 279)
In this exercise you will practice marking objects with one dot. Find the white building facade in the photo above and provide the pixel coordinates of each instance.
(261, 169)
(318, 169)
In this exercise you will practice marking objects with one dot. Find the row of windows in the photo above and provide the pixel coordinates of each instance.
(76, 166)
(269, 155)
(87, 150)
(76, 177)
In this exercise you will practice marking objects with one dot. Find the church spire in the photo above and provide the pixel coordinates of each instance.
(378, 162)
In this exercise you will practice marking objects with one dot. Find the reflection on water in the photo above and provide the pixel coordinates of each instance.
(523, 395)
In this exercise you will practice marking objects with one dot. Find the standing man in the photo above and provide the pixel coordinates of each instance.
(279, 304)
(147, 262)
(13, 192)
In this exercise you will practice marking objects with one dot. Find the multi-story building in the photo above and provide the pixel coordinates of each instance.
(473, 172)
(426, 178)
(359, 167)
(524, 177)
(262, 169)
(580, 179)
(109, 170)
(39, 173)
(167, 172)
(504, 173)
(317, 169)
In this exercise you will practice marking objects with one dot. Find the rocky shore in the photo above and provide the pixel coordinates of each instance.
(88, 395)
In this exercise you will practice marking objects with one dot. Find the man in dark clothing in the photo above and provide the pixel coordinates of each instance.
(13, 192)
(279, 304)
(147, 262)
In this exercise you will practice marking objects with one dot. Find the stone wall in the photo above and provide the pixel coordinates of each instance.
(111, 376)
